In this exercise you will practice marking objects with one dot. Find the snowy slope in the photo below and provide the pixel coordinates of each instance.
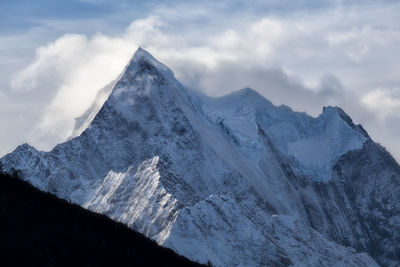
(235, 180)
(314, 143)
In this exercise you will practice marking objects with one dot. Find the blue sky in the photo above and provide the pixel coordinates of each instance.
(55, 56)
(22, 15)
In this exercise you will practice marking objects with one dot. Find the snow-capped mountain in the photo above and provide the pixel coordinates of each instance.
(235, 180)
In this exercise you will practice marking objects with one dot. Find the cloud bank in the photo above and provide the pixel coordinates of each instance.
(345, 56)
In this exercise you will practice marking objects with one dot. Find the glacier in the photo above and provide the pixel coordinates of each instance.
(234, 180)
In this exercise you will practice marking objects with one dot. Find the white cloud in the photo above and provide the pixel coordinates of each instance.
(73, 68)
(383, 102)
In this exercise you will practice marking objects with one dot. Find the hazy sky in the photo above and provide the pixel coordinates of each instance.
(55, 56)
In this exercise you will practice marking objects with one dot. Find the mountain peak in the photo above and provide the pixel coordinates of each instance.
(331, 110)
(248, 91)
(142, 54)
(143, 59)
(136, 79)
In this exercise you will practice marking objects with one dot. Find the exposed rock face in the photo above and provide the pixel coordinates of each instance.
(234, 180)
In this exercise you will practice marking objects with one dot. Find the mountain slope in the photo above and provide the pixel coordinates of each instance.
(350, 205)
(235, 180)
(38, 229)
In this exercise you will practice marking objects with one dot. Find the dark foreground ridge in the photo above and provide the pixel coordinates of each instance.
(38, 229)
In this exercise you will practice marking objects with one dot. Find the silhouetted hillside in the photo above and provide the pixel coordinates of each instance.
(38, 229)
